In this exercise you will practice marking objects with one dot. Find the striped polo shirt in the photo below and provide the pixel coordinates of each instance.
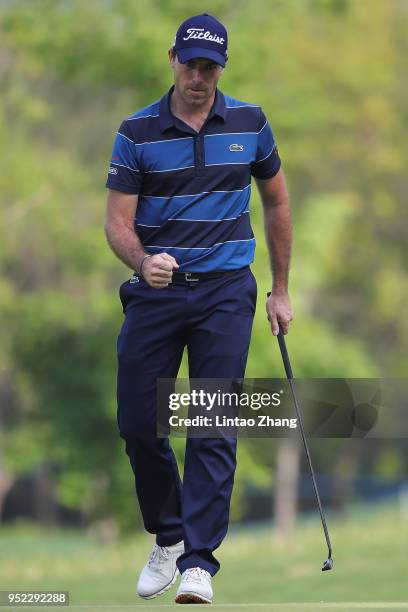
(194, 187)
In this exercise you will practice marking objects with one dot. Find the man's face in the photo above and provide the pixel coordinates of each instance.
(196, 80)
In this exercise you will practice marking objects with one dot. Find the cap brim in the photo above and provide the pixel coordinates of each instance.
(184, 55)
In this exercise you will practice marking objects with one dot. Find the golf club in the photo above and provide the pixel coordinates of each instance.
(328, 564)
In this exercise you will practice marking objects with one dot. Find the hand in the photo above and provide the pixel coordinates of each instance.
(279, 311)
(157, 270)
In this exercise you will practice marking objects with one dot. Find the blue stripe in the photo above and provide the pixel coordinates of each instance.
(203, 206)
(234, 102)
(217, 148)
(123, 152)
(195, 234)
(166, 155)
(228, 256)
(266, 142)
(124, 173)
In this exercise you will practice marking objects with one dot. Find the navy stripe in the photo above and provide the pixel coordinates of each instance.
(227, 256)
(238, 120)
(196, 234)
(123, 187)
(149, 129)
(204, 206)
(268, 167)
(185, 182)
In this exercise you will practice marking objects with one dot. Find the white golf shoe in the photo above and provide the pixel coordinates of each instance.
(195, 587)
(160, 572)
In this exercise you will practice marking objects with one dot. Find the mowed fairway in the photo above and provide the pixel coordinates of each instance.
(258, 570)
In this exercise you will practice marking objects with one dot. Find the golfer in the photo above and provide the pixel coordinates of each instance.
(178, 215)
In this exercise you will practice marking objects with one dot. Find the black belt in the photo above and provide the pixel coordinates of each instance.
(194, 277)
(198, 276)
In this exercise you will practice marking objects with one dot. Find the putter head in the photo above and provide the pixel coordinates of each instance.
(327, 565)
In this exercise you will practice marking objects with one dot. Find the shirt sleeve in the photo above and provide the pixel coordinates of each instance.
(267, 162)
(124, 173)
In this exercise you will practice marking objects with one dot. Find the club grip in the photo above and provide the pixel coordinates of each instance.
(284, 350)
(284, 353)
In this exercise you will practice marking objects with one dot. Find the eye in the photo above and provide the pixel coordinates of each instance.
(211, 66)
(192, 65)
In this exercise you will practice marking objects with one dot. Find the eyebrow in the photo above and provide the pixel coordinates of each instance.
(200, 63)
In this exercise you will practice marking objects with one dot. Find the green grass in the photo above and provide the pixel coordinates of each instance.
(370, 555)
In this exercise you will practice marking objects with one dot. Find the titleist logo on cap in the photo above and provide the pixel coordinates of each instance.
(199, 33)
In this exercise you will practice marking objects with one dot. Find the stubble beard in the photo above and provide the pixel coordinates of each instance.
(198, 101)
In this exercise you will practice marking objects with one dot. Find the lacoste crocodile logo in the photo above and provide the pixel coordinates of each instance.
(236, 147)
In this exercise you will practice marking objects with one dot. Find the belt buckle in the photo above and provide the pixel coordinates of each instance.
(188, 276)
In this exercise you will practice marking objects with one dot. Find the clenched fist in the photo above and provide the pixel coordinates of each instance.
(157, 270)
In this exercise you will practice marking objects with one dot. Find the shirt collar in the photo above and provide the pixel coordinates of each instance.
(167, 119)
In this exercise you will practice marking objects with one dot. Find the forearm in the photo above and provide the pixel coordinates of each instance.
(126, 245)
(278, 233)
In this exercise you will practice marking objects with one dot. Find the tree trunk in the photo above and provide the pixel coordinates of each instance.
(6, 482)
(44, 505)
(286, 491)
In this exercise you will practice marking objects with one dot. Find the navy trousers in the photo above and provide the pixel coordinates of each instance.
(213, 318)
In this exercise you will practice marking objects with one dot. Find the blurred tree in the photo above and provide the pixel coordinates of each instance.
(329, 74)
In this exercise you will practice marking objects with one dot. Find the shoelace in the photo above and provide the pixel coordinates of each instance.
(195, 573)
(158, 555)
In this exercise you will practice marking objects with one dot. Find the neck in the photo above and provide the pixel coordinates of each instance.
(180, 108)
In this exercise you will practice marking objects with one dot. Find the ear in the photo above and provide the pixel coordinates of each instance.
(171, 57)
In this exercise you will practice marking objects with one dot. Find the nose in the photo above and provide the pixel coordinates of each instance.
(196, 75)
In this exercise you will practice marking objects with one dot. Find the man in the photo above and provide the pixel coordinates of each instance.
(177, 214)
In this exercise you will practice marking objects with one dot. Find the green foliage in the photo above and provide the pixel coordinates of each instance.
(329, 75)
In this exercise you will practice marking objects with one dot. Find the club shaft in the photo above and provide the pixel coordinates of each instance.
(289, 374)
